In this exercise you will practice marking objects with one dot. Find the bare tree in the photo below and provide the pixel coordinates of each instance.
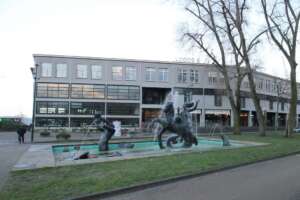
(282, 19)
(234, 13)
(212, 27)
(281, 89)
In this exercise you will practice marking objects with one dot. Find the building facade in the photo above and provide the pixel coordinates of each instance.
(69, 90)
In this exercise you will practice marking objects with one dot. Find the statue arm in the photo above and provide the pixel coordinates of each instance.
(194, 107)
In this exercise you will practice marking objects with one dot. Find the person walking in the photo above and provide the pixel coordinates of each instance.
(21, 132)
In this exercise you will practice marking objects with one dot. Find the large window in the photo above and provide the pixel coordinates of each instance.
(82, 71)
(194, 76)
(123, 92)
(52, 107)
(123, 109)
(87, 108)
(46, 70)
(52, 122)
(117, 73)
(96, 72)
(130, 73)
(182, 75)
(52, 90)
(61, 70)
(88, 91)
(163, 75)
(150, 74)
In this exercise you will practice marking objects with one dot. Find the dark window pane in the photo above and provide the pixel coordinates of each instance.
(123, 109)
(51, 122)
(123, 92)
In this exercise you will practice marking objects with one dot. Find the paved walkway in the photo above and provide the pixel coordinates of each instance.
(277, 180)
(10, 152)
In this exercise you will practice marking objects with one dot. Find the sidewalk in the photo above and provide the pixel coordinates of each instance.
(10, 152)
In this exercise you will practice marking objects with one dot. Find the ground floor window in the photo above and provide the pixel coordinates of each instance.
(123, 109)
(213, 117)
(52, 122)
(149, 114)
(126, 122)
(244, 118)
(80, 122)
(52, 107)
(87, 108)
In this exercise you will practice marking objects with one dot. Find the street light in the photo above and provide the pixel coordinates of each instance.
(34, 75)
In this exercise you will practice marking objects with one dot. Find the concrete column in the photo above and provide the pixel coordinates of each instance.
(202, 118)
(250, 119)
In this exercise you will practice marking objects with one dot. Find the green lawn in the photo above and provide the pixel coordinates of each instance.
(72, 181)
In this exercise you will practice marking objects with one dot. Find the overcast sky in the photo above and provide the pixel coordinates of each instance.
(137, 29)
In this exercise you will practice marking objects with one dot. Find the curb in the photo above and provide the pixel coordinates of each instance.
(134, 188)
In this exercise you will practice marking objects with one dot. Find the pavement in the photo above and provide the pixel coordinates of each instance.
(275, 180)
(10, 152)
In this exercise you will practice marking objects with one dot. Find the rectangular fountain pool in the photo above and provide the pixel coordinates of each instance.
(117, 151)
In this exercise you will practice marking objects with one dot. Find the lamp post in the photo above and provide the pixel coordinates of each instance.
(34, 75)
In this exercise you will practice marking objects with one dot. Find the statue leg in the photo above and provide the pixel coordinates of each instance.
(159, 137)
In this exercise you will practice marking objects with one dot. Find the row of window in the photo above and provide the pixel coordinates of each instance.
(183, 76)
(58, 90)
(80, 122)
(128, 73)
(86, 108)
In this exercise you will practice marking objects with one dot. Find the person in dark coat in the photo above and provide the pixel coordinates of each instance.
(21, 132)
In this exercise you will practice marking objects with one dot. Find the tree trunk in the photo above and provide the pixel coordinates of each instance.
(293, 102)
(235, 105)
(256, 101)
(237, 122)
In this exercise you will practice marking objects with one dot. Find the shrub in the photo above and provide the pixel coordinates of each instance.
(45, 133)
(63, 135)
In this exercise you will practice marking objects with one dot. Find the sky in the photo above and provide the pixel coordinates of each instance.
(136, 29)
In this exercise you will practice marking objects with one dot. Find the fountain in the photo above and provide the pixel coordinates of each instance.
(108, 131)
(179, 123)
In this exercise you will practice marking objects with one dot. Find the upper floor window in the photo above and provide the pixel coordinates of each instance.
(61, 70)
(150, 74)
(194, 76)
(212, 78)
(268, 85)
(46, 70)
(246, 84)
(117, 73)
(260, 84)
(96, 72)
(87, 91)
(130, 73)
(52, 90)
(163, 74)
(182, 75)
(82, 71)
(282, 106)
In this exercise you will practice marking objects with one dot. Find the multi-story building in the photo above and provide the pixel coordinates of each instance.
(69, 90)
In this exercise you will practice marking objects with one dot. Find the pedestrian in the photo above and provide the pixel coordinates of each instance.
(21, 132)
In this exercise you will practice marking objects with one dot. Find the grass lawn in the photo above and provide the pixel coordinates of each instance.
(71, 181)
